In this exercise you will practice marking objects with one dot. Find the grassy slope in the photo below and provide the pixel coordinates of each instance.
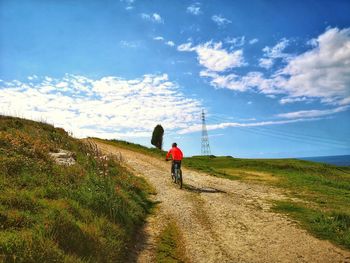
(88, 212)
(155, 152)
(325, 188)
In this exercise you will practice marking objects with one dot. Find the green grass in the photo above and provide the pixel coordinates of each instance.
(169, 246)
(334, 225)
(87, 212)
(155, 152)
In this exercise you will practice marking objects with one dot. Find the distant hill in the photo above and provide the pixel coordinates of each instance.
(84, 207)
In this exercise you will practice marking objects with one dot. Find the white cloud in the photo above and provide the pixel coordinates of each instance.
(213, 57)
(236, 41)
(297, 99)
(186, 47)
(229, 81)
(344, 101)
(253, 41)
(277, 50)
(108, 107)
(312, 113)
(266, 63)
(170, 43)
(273, 53)
(251, 81)
(128, 3)
(224, 125)
(159, 38)
(156, 18)
(194, 9)
(220, 20)
(322, 72)
(129, 44)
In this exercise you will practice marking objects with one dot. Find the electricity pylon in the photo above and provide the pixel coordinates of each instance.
(205, 150)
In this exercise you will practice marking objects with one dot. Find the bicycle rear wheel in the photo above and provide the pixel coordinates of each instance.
(179, 180)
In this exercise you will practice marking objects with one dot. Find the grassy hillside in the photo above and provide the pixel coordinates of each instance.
(87, 212)
(155, 152)
(325, 188)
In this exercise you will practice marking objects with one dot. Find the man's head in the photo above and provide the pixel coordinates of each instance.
(174, 144)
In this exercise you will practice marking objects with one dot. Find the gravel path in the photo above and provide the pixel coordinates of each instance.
(223, 220)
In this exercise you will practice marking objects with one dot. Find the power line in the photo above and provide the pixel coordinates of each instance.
(289, 133)
(282, 135)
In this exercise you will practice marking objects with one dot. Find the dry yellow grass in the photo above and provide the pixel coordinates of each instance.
(250, 175)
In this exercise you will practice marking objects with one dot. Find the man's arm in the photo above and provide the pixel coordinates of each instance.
(168, 155)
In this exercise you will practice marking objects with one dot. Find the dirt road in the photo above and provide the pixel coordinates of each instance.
(223, 220)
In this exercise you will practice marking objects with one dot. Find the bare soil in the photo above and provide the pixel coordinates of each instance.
(222, 220)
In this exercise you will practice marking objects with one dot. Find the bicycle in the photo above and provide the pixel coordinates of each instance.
(177, 176)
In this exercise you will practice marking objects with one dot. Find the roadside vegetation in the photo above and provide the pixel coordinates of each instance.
(87, 212)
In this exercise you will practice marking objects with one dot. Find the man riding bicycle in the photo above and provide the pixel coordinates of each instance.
(176, 155)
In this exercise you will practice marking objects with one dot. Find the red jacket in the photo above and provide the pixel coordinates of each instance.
(176, 154)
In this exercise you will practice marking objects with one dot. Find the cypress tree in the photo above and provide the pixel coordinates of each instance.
(157, 136)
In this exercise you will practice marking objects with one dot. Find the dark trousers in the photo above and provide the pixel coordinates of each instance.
(173, 166)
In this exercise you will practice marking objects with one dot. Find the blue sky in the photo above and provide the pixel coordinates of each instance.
(272, 76)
